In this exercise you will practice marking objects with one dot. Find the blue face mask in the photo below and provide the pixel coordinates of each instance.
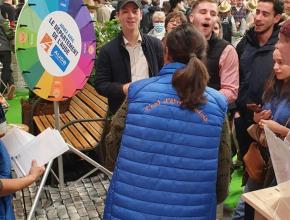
(159, 27)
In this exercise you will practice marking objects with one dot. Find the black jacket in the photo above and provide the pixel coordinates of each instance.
(113, 67)
(256, 63)
(5, 44)
(216, 47)
(7, 11)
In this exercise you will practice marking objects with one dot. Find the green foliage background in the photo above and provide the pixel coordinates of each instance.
(104, 33)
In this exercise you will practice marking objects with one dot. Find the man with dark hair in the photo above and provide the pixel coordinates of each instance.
(177, 5)
(129, 57)
(8, 11)
(222, 59)
(255, 54)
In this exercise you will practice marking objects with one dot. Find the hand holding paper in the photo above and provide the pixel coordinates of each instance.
(35, 170)
(23, 148)
(275, 127)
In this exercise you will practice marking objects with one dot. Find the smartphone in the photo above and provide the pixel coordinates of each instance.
(254, 107)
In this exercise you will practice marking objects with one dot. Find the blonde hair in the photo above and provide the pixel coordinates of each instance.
(158, 14)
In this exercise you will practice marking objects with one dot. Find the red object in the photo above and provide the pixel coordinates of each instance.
(12, 24)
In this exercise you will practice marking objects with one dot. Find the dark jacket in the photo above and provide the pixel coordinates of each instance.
(216, 47)
(256, 63)
(227, 28)
(113, 67)
(8, 11)
(18, 10)
(5, 44)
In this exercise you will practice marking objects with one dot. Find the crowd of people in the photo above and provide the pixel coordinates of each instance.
(8, 16)
(185, 80)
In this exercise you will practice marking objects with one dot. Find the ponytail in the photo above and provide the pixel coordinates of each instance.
(191, 82)
(185, 44)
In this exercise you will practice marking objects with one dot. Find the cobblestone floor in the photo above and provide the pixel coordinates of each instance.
(84, 200)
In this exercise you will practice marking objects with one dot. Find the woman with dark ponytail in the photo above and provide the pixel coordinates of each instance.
(168, 163)
(189, 82)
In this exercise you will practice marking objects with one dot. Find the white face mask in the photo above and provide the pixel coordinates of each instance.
(159, 27)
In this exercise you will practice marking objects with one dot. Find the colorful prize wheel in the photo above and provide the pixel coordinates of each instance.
(55, 47)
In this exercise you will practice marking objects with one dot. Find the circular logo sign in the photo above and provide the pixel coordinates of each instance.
(59, 43)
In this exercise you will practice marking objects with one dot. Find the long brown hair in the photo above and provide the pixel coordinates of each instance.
(276, 88)
(187, 45)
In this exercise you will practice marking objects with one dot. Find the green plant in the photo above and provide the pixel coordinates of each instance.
(106, 32)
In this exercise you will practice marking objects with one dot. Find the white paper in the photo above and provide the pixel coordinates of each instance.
(23, 149)
(287, 139)
(15, 138)
(280, 156)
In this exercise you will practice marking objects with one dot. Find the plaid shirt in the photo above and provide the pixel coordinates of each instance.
(239, 14)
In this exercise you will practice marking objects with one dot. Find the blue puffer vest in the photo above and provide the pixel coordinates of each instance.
(167, 164)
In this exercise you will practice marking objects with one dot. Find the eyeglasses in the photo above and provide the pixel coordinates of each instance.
(176, 21)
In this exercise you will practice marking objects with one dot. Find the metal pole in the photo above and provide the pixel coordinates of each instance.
(89, 160)
(59, 159)
(60, 165)
(45, 175)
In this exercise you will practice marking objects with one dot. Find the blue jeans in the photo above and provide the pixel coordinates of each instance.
(239, 213)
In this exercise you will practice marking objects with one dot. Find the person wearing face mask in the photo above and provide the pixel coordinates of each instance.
(158, 30)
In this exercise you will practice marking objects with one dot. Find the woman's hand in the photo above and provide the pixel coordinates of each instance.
(13, 185)
(263, 115)
(36, 171)
(275, 127)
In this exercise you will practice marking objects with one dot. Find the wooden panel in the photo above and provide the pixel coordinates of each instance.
(93, 127)
(96, 99)
(80, 113)
(96, 108)
(85, 108)
(66, 134)
(76, 132)
(93, 91)
(87, 104)
(39, 123)
(45, 121)
(81, 133)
